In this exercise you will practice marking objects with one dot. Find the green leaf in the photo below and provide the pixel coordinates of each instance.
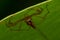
(47, 23)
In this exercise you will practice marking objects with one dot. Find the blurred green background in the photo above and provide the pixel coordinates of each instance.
(50, 26)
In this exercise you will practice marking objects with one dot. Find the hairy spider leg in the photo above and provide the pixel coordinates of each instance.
(47, 10)
(9, 24)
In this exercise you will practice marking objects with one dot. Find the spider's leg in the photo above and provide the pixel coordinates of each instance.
(44, 17)
(16, 30)
(9, 24)
(47, 10)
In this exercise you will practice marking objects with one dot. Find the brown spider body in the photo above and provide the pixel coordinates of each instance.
(29, 22)
(27, 19)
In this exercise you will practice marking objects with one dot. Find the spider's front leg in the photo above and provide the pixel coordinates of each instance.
(11, 25)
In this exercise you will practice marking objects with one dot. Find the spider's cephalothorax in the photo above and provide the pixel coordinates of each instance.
(29, 22)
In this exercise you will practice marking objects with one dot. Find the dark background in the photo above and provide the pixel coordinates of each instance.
(8, 7)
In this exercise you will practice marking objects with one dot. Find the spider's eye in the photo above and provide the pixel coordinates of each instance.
(29, 21)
